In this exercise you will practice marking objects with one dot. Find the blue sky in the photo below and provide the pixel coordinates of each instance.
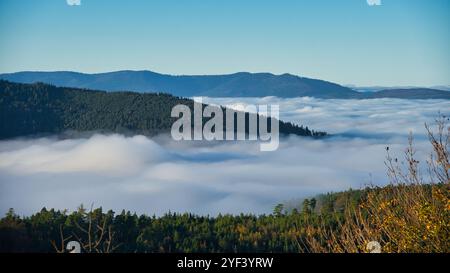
(400, 42)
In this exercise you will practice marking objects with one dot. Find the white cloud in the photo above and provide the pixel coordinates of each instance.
(120, 173)
(374, 2)
(73, 2)
(379, 118)
(156, 175)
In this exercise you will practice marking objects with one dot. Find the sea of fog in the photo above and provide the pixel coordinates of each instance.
(157, 175)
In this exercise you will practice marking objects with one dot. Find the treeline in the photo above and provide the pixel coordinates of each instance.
(280, 231)
(303, 229)
(30, 109)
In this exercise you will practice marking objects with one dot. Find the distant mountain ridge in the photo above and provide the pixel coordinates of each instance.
(242, 84)
(379, 88)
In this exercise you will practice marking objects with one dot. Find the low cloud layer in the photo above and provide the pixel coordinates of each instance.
(156, 175)
(375, 118)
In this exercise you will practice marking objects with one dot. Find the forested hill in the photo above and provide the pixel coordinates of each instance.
(30, 109)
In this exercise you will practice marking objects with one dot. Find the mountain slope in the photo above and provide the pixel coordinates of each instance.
(29, 109)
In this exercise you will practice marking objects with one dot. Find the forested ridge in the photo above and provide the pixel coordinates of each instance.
(172, 232)
(301, 229)
(30, 109)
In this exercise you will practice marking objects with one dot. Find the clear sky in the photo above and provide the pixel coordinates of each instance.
(400, 42)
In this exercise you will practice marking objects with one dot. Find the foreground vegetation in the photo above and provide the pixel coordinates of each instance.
(409, 215)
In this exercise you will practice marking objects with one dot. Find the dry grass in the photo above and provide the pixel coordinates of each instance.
(408, 215)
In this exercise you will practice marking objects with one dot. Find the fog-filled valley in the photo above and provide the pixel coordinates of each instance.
(156, 175)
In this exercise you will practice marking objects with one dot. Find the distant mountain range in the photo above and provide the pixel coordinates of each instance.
(242, 84)
(378, 88)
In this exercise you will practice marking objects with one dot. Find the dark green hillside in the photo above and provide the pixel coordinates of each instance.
(29, 109)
